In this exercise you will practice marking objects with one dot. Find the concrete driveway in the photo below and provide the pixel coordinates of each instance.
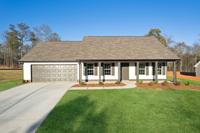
(23, 108)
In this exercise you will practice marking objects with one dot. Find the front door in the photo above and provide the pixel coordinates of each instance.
(125, 71)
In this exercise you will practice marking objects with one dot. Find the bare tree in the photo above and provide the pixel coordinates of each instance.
(196, 51)
(45, 34)
(186, 53)
(34, 40)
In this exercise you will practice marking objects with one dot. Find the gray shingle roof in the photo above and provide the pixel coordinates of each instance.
(54, 51)
(102, 48)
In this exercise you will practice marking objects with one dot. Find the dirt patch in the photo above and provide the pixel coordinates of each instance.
(170, 74)
(99, 85)
(167, 86)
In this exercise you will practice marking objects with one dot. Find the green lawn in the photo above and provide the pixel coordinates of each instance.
(196, 83)
(125, 111)
(10, 78)
(4, 85)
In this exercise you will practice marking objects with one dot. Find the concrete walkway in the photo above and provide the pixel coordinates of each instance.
(23, 108)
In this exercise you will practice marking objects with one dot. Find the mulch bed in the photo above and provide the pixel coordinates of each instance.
(167, 86)
(99, 85)
(169, 73)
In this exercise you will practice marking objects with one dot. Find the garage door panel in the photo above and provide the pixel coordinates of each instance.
(54, 72)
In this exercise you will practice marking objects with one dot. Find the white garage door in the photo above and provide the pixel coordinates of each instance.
(54, 72)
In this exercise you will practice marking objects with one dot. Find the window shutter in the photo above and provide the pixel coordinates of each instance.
(147, 68)
(163, 67)
(84, 68)
(95, 68)
(135, 68)
(113, 68)
(102, 69)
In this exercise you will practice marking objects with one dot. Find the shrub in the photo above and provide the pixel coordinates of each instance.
(140, 81)
(155, 82)
(177, 83)
(82, 83)
(187, 83)
(150, 83)
(164, 83)
(101, 83)
(117, 82)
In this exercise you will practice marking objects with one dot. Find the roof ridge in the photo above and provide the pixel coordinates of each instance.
(61, 41)
(116, 36)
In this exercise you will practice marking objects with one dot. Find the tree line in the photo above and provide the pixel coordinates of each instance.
(189, 54)
(18, 39)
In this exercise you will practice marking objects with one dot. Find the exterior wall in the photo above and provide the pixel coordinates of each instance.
(27, 68)
(132, 73)
(96, 77)
(197, 70)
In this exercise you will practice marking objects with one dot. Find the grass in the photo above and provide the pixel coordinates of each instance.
(9, 84)
(10, 78)
(192, 82)
(8, 75)
(125, 111)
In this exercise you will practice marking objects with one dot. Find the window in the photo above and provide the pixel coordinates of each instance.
(107, 69)
(142, 69)
(164, 64)
(159, 68)
(90, 69)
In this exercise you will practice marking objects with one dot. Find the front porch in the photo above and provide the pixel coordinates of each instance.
(101, 71)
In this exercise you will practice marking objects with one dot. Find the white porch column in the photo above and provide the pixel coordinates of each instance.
(80, 72)
(119, 71)
(156, 71)
(174, 71)
(137, 71)
(99, 64)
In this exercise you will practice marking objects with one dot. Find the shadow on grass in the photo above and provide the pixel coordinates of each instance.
(76, 115)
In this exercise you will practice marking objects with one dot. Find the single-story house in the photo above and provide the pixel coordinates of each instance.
(99, 58)
(197, 69)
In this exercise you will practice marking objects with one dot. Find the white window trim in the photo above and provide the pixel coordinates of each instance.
(142, 68)
(110, 69)
(162, 68)
(92, 69)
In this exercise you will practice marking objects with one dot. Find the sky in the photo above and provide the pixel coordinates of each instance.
(74, 19)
